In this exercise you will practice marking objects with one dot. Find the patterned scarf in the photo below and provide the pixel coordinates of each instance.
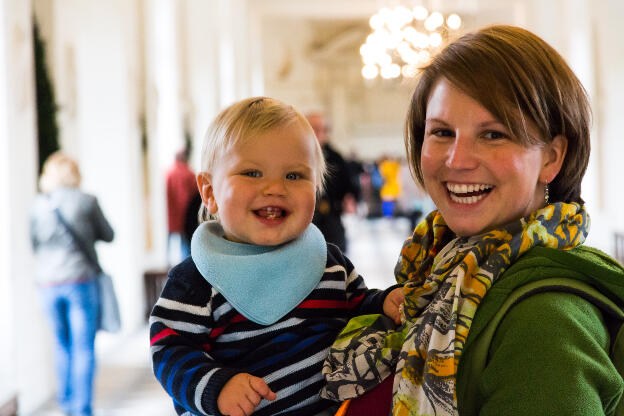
(445, 279)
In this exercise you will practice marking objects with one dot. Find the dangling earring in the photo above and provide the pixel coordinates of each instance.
(546, 195)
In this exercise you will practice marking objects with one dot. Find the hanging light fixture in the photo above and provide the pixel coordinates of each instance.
(404, 39)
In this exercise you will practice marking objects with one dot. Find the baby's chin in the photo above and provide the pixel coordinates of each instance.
(260, 241)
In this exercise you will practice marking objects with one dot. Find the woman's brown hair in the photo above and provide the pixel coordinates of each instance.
(522, 81)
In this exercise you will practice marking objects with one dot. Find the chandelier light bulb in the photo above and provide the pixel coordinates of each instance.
(409, 33)
(453, 21)
(424, 56)
(435, 39)
(409, 71)
(376, 22)
(422, 40)
(420, 13)
(369, 59)
(434, 21)
(386, 72)
(410, 56)
(404, 39)
(403, 47)
(404, 15)
(395, 71)
(370, 71)
(386, 14)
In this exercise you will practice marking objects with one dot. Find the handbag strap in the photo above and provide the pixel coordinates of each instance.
(79, 243)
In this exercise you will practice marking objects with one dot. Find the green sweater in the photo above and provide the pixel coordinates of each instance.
(549, 355)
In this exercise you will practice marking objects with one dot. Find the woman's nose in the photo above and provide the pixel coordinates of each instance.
(462, 154)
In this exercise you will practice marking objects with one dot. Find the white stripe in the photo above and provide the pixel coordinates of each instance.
(183, 307)
(331, 284)
(336, 268)
(154, 349)
(201, 386)
(221, 310)
(181, 326)
(353, 276)
(288, 391)
(299, 405)
(282, 372)
(238, 336)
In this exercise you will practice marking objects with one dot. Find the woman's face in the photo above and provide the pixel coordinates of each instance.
(478, 177)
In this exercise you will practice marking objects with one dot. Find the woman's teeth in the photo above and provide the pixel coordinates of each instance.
(468, 193)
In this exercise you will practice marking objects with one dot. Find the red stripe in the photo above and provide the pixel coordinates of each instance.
(322, 304)
(353, 302)
(164, 333)
(238, 318)
(218, 331)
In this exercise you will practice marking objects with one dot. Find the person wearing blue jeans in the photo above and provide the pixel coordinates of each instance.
(73, 309)
(66, 276)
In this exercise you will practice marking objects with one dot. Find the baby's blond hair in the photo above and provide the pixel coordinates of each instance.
(247, 118)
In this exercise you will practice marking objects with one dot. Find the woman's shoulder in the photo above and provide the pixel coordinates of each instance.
(582, 263)
(550, 352)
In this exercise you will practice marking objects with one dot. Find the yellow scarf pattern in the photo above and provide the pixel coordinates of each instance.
(445, 278)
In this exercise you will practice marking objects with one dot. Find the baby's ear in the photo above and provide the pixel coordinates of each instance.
(204, 183)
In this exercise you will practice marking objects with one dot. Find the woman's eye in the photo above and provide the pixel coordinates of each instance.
(494, 135)
(293, 176)
(252, 174)
(442, 133)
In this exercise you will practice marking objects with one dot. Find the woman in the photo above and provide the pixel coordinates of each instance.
(67, 276)
(498, 134)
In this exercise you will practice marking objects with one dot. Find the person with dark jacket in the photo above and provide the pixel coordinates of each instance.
(338, 184)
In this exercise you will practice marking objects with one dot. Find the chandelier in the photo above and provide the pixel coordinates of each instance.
(404, 39)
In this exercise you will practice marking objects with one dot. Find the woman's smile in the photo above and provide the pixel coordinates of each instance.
(468, 193)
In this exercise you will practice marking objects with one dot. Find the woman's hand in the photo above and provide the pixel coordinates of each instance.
(392, 303)
(242, 393)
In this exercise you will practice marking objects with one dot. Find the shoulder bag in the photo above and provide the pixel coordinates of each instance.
(109, 318)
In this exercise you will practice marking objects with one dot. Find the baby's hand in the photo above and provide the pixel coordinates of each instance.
(392, 303)
(242, 393)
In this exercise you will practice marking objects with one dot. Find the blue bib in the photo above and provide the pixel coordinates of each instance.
(263, 283)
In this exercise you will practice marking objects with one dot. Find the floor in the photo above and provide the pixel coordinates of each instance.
(125, 385)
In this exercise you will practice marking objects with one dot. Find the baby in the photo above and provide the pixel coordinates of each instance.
(244, 324)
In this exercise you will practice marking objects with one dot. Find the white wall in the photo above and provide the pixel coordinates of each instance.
(608, 144)
(20, 318)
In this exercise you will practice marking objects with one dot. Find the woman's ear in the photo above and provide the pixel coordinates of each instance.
(554, 155)
(204, 183)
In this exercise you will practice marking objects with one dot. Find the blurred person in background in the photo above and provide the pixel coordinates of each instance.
(391, 190)
(329, 205)
(67, 277)
(414, 201)
(181, 187)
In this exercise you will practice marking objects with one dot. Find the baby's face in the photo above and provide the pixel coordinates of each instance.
(264, 188)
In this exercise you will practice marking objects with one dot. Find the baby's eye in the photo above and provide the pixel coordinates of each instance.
(252, 173)
(293, 176)
(494, 135)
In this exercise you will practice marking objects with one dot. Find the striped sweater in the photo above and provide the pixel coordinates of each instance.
(198, 341)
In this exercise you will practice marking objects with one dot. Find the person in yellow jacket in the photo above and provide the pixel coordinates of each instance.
(391, 190)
